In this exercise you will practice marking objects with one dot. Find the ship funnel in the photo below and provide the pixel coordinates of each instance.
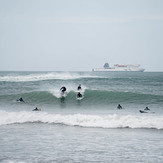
(106, 65)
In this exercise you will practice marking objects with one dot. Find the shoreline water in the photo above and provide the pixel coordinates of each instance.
(37, 142)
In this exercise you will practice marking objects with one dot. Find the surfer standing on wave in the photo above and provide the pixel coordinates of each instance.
(63, 89)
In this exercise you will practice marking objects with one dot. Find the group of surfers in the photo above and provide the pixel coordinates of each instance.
(63, 90)
(79, 95)
(146, 110)
(21, 100)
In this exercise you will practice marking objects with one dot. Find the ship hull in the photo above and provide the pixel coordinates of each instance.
(118, 70)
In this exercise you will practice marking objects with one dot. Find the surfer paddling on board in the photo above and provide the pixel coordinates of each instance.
(119, 106)
(37, 109)
(147, 108)
(20, 100)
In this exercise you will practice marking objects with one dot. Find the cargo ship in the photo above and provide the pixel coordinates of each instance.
(120, 67)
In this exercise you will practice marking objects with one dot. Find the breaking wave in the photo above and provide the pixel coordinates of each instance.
(83, 120)
(44, 76)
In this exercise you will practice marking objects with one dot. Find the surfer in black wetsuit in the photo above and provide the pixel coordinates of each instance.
(147, 108)
(37, 109)
(79, 95)
(63, 89)
(79, 87)
(119, 106)
(21, 100)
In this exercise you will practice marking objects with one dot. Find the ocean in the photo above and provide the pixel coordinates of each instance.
(87, 130)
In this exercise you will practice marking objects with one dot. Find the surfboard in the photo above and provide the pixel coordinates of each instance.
(79, 98)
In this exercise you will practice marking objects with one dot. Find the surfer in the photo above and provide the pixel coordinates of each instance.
(63, 89)
(21, 100)
(79, 95)
(37, 109)
(79, 87)
(119, 106)
(147, 108)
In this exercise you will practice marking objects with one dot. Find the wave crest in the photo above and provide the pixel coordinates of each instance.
(44, 76)
(83, 120)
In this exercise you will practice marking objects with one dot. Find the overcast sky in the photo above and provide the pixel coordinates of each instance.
(78, 35)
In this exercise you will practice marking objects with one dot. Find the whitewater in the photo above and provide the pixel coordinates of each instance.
(91, 129)
(83, 120)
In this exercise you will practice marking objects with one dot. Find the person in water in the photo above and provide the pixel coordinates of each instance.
(79, 87)
(37, 109)
(147, 108)
(63, 89)
(79, 95)
(21, 100)
(119, 106)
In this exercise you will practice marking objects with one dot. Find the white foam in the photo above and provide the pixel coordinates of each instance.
(84, 120)
(55, 92)
(11, 161)
(44, 76)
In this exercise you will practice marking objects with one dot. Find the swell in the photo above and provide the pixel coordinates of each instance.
(91, 97)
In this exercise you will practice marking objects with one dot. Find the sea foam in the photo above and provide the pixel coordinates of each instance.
(83, 120)
(44, 76)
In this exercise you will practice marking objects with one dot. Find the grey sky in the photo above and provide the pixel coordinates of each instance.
(78, 35)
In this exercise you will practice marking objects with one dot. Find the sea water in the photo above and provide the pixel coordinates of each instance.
(92, 129)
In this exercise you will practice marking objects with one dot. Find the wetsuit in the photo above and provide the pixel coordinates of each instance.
(21, 100)
(79, 94)
(119, 107)
(63, 89)
(79, 87)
